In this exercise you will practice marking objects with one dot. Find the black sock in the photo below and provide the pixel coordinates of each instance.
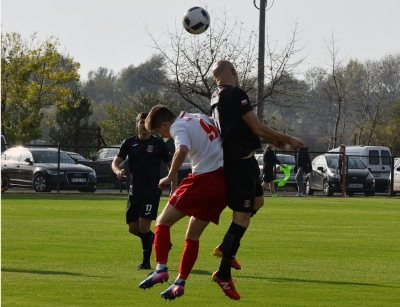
(147, 244)
(253, 212)
(229, 247)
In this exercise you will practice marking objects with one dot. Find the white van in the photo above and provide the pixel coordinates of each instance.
(378, 161)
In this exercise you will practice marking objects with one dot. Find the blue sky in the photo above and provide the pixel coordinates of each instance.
(112, 33)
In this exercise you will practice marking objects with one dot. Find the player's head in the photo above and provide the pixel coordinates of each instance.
(160, 119)
(225, 73)
(140, 120)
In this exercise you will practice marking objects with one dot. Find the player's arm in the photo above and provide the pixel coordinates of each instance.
(174, 181)
(116, 167)
(179, 157)
(280, 139)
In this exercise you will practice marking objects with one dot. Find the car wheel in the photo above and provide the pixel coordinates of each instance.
(369, 193)
(350, 194)
(5, 183)
(326, 190)
(309, 191)
(40, 183)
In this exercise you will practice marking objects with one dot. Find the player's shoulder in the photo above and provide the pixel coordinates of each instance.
(130, 139)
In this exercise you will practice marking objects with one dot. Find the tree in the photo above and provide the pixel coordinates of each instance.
(34, 75)
(121, 117)
(189, 59)
(72, 126)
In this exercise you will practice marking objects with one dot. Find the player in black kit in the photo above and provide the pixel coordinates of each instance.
(240, 131)
(145, 153)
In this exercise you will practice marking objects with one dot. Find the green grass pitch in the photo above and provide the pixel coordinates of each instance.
(75, 251)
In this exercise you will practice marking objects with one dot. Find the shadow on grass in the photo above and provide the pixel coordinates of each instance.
(329, 282)
(48, 272)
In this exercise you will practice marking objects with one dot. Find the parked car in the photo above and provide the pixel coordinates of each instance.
(101, 162)
(38, 168)
(396, 178)
(284, 159)
(323, 176)
(78, 158)
(4, 146)
(377, 159)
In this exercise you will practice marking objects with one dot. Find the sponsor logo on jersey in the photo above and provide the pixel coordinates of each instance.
(247, 203)
(134, 145)
(244, 102)
(149, 148)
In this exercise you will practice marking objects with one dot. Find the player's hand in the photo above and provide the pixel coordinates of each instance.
(279, 144)
(295, 143)
(164, 182)
(121, 174)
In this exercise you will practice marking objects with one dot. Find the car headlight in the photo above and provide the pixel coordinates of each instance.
(369, 176)
(92, 173)
(334, 175)
(54, 173)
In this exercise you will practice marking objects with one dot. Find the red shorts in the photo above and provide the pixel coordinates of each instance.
(203, 196)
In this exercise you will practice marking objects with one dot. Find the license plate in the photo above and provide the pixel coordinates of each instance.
(78, 180)
(355, 185)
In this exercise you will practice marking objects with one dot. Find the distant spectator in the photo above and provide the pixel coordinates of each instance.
(303, 166)
(268, 169)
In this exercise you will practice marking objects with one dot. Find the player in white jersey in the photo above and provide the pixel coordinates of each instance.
(202, 195)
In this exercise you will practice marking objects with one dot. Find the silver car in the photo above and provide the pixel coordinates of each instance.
(284, 159)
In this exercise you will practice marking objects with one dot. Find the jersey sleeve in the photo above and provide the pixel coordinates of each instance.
(242, 102)
(123, 150)
(165, 154)
(180, 135)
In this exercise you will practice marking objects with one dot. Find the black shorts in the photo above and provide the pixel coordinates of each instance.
(142, 206)
(242, 177)
(268, 175)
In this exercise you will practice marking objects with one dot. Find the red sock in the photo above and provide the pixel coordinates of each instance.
(189, 257)
(162, 243)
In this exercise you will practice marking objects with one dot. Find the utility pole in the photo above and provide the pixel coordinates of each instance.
(261, 56)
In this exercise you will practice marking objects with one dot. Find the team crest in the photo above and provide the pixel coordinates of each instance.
(247, 203)
(149, 148)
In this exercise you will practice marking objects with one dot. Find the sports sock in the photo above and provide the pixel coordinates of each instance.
(189, 257)
(162, 243)
(229, 247)
(147, 242)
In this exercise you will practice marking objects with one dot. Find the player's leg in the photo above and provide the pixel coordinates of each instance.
(133, 208)
(241, 177)
(188, 259)
(162, 243)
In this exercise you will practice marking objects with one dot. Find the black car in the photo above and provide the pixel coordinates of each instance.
(78, 158)
(101, 162)
(323, 176)
(38, 168)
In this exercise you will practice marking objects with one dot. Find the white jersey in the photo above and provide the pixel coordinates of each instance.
(198, 133)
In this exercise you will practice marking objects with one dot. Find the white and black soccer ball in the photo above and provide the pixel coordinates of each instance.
(196, 20)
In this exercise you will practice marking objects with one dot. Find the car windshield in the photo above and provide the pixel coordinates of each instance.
(51, 157)
(355, 163)
(332, 161)
(286, 159)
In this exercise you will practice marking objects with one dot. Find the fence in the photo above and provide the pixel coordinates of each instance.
(58, 173)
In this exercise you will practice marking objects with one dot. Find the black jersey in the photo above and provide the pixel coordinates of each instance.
(270, 159)
(144, 159)
(228, 105)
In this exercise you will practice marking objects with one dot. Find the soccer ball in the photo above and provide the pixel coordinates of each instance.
(196, 20)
